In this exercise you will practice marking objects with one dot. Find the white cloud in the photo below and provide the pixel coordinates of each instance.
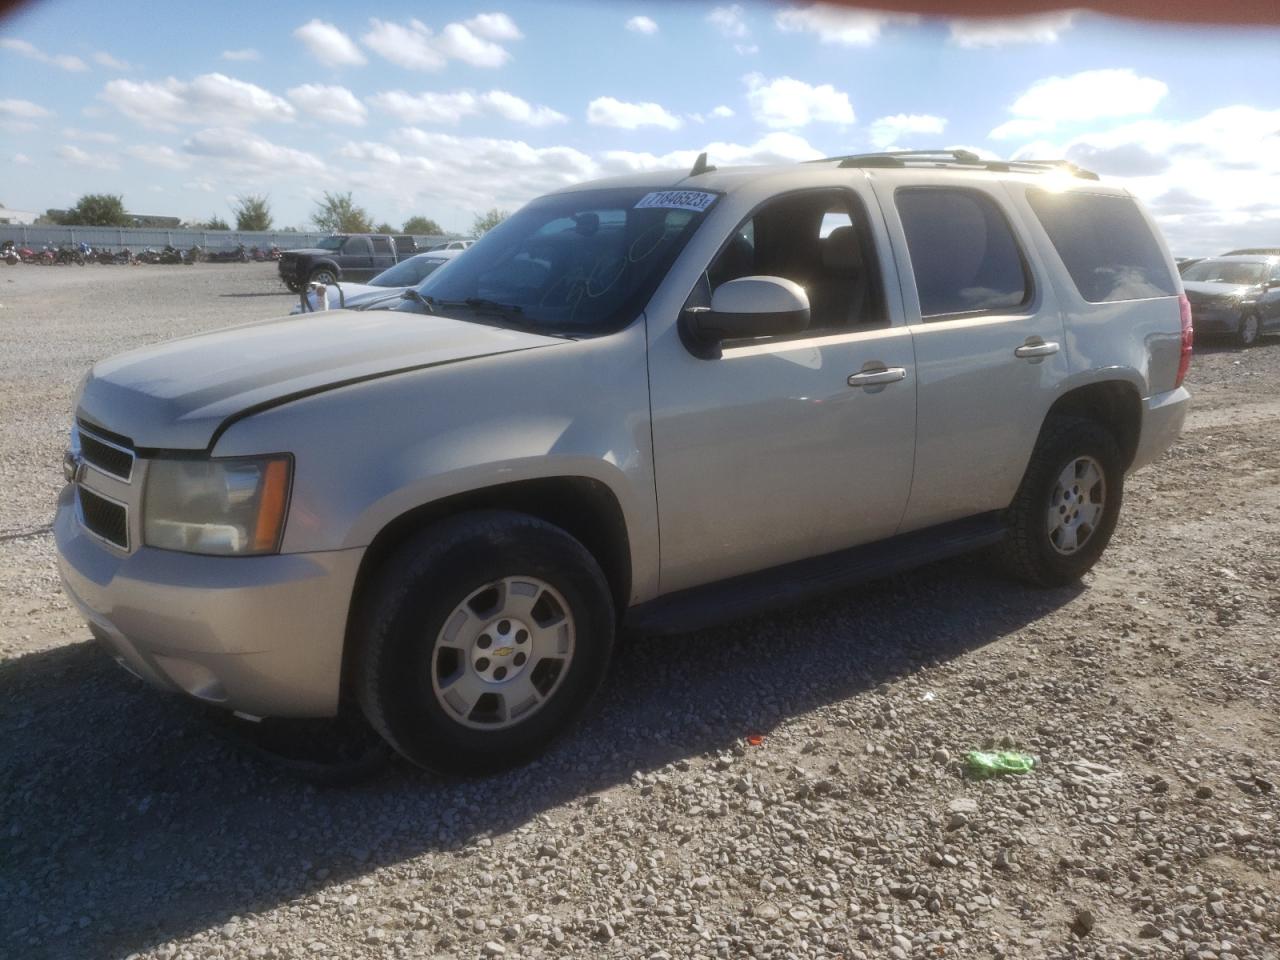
(609, 112)
(329, 45)
(415, 46)
(1088, 95)
(412, 46)
(642, 24)
(104, 59)
(81, 158)
(888, 130)
(451, 108)
(730, 21)
(1202, 178)
(158, 155)
(722, 112)
(71, 133)
(246, 152)
(844, 27)
(1003, 31)
(21, 159)
(247, 53)
(495, 26)
(330, 104)
(22, 110)
(64, 61)
(515, 109)
(211, 98)
(785, 102)
(773, 148)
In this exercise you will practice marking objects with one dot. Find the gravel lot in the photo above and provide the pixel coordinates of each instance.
(130, 826)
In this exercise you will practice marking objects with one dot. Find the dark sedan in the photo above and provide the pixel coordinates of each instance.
(1235, 296)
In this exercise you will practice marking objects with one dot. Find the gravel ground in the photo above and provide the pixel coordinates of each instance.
(789, 786)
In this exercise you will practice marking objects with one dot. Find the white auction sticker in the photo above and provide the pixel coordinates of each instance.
(695, 200)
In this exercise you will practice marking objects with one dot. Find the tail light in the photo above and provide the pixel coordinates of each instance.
(1188, 337)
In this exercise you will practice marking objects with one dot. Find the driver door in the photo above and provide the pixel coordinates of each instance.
(771, 453)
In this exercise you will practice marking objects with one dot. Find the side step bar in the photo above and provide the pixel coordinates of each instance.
(754, 593)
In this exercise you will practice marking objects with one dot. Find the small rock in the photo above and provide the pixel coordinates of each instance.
(1083, 923)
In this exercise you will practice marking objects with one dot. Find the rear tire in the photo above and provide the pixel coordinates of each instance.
(481, 640)
(1249, 330)
(1066, 508)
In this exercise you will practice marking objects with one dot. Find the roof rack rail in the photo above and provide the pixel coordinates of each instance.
(966, 158)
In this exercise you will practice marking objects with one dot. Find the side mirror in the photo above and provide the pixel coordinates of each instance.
(745, 309)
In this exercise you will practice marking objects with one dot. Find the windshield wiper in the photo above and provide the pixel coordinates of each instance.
(508, 311)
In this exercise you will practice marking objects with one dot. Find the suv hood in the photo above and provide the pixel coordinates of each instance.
(175, 395)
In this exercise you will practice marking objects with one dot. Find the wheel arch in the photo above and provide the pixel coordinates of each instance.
(586, 508)
(1115, 404)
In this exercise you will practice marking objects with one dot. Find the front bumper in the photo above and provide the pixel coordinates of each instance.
(261, 635)
(1214, 320)
(1162, 418)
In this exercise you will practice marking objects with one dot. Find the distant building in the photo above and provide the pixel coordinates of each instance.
(16, 216)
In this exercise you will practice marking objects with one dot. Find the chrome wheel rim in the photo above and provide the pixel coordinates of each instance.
(1249, 329)
(502, 653)
(1076, 505)
(323, 277)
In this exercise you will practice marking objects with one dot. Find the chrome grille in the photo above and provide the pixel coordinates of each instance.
(110, 458)
(104, 518)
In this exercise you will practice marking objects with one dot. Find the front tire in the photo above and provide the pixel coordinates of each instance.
(482, 639)
(1248, 331)
(323, 276)
(1066, 508)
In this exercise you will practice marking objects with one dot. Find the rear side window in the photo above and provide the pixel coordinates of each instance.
(1105, 244)
(381, 245)
(963, 253)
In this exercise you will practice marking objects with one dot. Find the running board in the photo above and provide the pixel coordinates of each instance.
(754, 593)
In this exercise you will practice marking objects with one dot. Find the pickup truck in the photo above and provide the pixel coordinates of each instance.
(344, 256)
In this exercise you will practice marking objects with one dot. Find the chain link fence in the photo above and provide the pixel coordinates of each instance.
(139, 238)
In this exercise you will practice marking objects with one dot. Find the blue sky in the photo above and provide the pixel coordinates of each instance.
(449, 109)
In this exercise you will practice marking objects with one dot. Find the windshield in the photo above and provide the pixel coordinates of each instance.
(576, 263)
(408, 273)
(1225, 271)
(331, 243)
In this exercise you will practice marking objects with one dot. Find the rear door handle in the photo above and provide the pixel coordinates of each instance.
(1031, 350)
(877, 378)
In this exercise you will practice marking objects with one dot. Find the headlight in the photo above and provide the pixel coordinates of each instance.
(226, 507)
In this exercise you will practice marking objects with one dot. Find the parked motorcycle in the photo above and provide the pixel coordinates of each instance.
(27, 255)
(9, 253)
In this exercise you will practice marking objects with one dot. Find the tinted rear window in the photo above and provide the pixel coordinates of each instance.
(1105, 244)
(963, 253)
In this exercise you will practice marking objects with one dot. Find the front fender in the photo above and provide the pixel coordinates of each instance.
(368, 453)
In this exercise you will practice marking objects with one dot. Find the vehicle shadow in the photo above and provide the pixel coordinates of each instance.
(125, 821)
(273, 293)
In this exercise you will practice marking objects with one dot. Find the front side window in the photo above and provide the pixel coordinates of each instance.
(821, 240)
(356, 246)
(1105, 244)
(583, 262)
(963, 253)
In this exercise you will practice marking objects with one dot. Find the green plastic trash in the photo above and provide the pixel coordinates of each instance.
(995, 764)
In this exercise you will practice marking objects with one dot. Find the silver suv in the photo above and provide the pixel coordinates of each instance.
(654, 401)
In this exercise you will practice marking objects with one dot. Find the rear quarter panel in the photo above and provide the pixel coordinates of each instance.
(1138, 341)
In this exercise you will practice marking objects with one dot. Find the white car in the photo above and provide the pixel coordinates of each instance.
(386, 286)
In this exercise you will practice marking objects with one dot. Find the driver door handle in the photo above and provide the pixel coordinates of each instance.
(877, 378)
(1030, 350)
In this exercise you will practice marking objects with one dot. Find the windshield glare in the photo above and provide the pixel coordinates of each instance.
(577, 263)
(408, 273)
(1225, 271)
(331, 243)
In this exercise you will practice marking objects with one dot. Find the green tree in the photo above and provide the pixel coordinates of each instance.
(338, 213)
(98, 210)
(384, 227)
(423, 227)
(253, 212)
(213, 223)
(486, 222)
